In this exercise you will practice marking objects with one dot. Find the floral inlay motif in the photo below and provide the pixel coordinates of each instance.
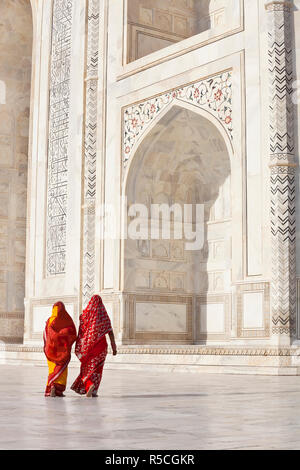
(213, 94)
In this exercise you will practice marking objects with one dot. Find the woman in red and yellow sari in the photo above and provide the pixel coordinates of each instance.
(91, 347)
(59, 335)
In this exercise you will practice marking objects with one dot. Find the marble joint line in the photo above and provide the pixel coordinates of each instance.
(213, 94)
(59, 109)
(282, 165)
(90, 153)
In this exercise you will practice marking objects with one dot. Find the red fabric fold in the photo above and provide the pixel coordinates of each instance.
(91, 345)
(91, 369)
(59, 337)
(59, 388)
(94, 324)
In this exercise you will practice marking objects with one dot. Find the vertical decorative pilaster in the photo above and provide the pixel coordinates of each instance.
(58, 141)
(282, 165)
(90, 152)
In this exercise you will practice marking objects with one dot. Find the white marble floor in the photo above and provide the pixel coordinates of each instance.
(148, 410)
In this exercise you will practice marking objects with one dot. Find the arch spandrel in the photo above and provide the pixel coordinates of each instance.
(212, 94)
(155, 128)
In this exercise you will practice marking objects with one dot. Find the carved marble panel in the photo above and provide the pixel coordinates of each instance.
(157, 318)
(151, 317)
(59, 108)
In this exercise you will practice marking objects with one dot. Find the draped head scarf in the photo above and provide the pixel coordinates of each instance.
(94, 324)
(59, 335)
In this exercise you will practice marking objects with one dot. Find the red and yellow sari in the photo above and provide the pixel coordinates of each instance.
(59, 335)
(91, 346)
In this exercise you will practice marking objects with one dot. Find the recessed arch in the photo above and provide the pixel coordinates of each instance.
(182, 105)
(185, 157)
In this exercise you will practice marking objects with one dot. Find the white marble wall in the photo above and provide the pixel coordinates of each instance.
(245, 257)
(162, 317)
(253, 314)
(15, 83)
(238, 227)
(153, 25)
(39, 286)
(212, 319)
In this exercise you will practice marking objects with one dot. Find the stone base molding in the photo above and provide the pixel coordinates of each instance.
(180, 350)
(198, 359)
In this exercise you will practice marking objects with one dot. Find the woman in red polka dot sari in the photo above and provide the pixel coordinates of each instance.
(91, 346)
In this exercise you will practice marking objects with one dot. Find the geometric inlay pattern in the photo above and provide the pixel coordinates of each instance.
(59, 108)
(213, 94)
(282, 163)
(90, 153)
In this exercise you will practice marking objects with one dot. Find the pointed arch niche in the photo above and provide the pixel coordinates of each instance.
(183, 156)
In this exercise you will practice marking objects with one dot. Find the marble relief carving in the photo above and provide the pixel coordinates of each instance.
(59, 108)
(160, 280)
(161, 249)
(177, 281)
(213, 94)
(143, 247)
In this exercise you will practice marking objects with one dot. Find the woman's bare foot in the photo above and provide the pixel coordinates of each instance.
(52, 392)
(90, 391)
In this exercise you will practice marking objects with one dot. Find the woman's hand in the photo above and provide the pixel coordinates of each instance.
(112, 342)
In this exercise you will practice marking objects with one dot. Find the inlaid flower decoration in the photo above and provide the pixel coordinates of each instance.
(213, 94)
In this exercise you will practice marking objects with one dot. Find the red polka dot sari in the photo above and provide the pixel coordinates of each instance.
(91, 345)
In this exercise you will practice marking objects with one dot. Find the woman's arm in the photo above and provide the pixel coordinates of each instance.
(112, 342)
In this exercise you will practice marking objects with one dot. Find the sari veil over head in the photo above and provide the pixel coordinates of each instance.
(59, 336)
(94, 325)
(91, 345)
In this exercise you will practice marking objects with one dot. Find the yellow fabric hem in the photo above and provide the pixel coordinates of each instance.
(62, 379)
